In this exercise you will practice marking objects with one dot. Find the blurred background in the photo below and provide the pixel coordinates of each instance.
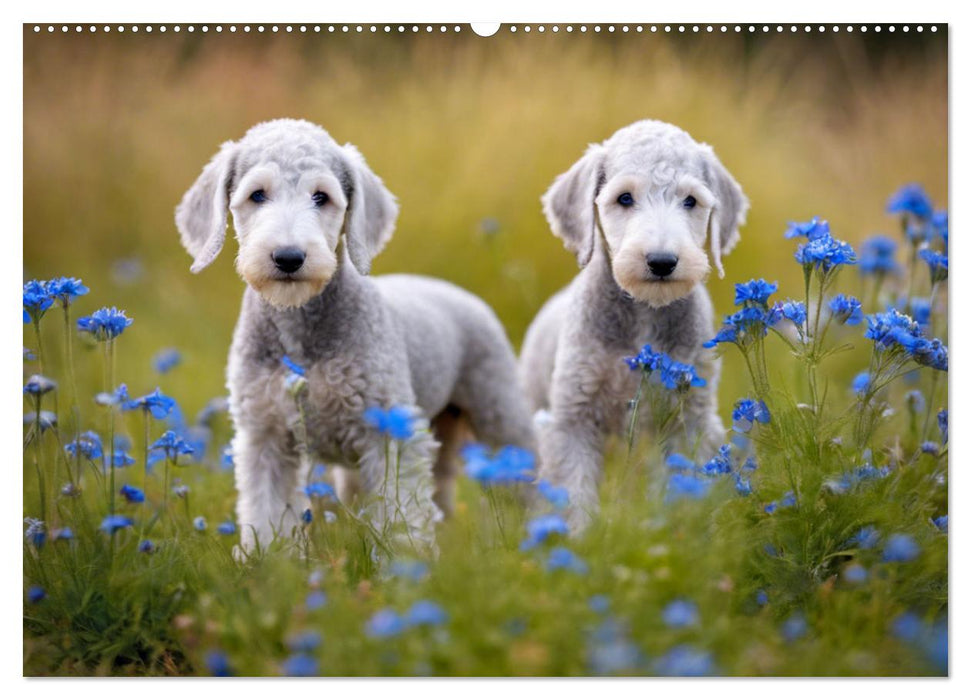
(468, 132)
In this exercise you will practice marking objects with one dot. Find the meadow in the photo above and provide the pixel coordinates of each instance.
(829, 557)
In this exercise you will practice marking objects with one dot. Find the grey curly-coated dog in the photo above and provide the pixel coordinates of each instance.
(636, 210)
(309, 216)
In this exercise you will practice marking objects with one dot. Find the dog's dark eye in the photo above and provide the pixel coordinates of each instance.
(259, 196)
(626, 199)
(689, 202)
(320, 198)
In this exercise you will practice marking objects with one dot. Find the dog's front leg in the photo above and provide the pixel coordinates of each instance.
(571, 456)
(266, 479)
(396, 478)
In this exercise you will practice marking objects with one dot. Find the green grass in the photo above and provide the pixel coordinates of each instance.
(465, 130)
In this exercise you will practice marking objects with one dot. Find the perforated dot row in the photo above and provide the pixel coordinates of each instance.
(414, 28)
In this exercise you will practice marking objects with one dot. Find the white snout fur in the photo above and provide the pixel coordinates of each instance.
(657, 223)
(288, 219)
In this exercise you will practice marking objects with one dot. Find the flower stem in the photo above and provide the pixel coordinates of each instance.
(72, 379)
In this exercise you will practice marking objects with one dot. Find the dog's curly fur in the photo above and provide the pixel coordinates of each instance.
(393, 340)
(572, 358)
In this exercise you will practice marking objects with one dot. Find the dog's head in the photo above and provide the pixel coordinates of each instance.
(298, 199)
(657, 195)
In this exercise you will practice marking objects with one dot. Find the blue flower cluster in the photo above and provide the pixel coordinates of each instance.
(675, 376)
(691, 481)
(747, 413)
(40, 296)
(752, 321)
(825, 253)
(105, 324)
(846, 310)
(877, 256)
(397, 422)
(540, 529)
(387, 623)
(509, 464)
(894, 330)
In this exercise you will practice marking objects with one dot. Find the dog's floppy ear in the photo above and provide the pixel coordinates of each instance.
(201, 215)
(569, 203)
(729, 211)
(371, 212)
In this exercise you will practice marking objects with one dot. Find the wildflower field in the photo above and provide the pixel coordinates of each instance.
(814, 543)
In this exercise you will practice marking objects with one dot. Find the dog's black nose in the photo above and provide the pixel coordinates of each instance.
(288, 259)
(661, 264)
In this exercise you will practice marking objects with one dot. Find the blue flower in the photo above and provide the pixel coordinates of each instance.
(166, 360)
(293, 366)
(66, 289)
(307, 516)
(132, 494)
(120, 458)
(305, 641)
(680, 613)
(610, 651)
(920, 309)
(384, 624)
(900, 548)
(410, 569)
(556, 496)
(790, 310)
(680, 462)
(936, 264)
(861, 383)
(721, 463)
(855, 574)
(170, 445)
(300, 665)
(761, 597)
(685, 486)
(794, 627)
(319, 489)
(877, 256)
(37, 300)
(218, 664)
(867, 538)
(891, 328)
(563, 558)
(755, 292)
(750, 465)
(825, 253)
(62, 534)
(930, 448)
(747, 413)
(46, 419)
(942, 425)
(727, 334)
(315, 600)
(38, 385)
(911, 199)
(36, 532)
(941, 523)
(199, 523)
(112, 523)
(146, 547)
(227, 527)
(397, 422)
(742, 486)
(541, 528)
(685, 660)
(425, 613)
(510, 464)
(788, 500)
(846, 310)
(36, 594)
(114, 398)
(906, 626)
(646, 360)
(599, 603)
(156, 403)
(814, 228)
(88, 444)
(678, 376)
(105, 324)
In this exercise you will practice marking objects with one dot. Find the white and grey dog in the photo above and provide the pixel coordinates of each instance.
(636, 210)
(309, 216)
